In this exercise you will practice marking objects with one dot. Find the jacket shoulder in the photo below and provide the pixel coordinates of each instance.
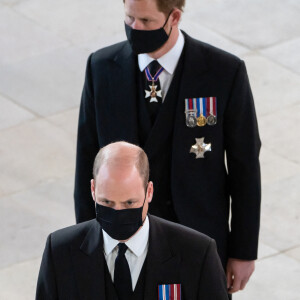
(213, 55)
(107, 53)
(71, 235)
(182, 236)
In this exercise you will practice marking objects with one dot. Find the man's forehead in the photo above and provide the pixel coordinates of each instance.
(146, 5)
(118, 166)
(140, 1)
(118, 173)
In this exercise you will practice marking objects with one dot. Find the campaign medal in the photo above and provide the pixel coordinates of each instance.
(211, 120)
(200, 148)
(201, 110)
(153, 93)
(190, 112)
(211, 104)
(191, 120)
(201, 120)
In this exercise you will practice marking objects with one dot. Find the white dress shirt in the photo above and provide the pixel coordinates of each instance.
(135, 254)
(168, 61)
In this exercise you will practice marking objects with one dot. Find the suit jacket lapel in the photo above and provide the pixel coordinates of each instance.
(162, 263)
(123, 99)
(88, 261)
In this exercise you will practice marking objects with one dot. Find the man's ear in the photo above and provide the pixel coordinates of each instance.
(93, 189)
(150, 190)
(176, 16)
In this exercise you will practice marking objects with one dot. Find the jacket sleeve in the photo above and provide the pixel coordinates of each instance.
(212, 284)
(46, 285)
(242, 145)
(87, 148)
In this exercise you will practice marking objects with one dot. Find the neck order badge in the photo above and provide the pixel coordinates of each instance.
(169, 292)
(153, 93)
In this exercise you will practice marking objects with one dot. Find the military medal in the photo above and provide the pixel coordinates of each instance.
(191, 120)
(201, 120)
(201, 110)
(211, 104)
(200, 148)
(211, 120)
(153, 93)
(190, 112)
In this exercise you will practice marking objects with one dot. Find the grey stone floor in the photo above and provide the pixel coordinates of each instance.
(44, 45)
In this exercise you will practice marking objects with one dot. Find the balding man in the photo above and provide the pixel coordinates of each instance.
(125, 253)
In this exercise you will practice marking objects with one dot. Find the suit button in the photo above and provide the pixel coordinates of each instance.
(168, 203)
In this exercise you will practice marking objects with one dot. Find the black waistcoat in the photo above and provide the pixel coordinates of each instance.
(138, 293)
(160, 162)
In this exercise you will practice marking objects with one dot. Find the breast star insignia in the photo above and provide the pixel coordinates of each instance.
(153, 93)
(200, 148)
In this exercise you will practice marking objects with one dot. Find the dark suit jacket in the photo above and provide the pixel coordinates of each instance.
(200, 188)
(73, 263)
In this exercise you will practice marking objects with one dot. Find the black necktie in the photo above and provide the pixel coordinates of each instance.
(153, 96)
(122, 276)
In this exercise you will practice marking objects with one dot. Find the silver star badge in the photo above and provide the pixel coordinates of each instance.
(200, 148)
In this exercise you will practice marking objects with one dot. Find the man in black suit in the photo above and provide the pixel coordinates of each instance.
(126, 254)
(187, 104)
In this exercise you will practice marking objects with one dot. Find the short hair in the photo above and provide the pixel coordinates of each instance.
(166, 6)
(139, 160)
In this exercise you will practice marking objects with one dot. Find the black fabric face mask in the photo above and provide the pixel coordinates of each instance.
(119, 224)
(147, 41)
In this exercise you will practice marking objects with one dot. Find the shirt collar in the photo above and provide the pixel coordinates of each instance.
(168, 61)
(136, 243)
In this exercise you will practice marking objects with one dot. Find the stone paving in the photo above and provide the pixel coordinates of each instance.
(44, 46)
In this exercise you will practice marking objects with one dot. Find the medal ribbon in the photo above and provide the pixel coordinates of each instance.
(201, 106)
(155, 77)
(215, 106)
(169, 292)
(211, 105)
(195, 104)
(190, 105)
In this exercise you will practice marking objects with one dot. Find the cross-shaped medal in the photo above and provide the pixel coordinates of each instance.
(153, 93)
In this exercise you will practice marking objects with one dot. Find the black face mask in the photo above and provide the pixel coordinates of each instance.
(119, 224)
(147, 41)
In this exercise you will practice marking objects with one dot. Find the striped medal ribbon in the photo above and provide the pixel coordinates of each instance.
(169, 292)
(190, 112)
(211, 110)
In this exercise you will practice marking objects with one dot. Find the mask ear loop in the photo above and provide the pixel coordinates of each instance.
(168, 20)
(168, 17)
(144, 201)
